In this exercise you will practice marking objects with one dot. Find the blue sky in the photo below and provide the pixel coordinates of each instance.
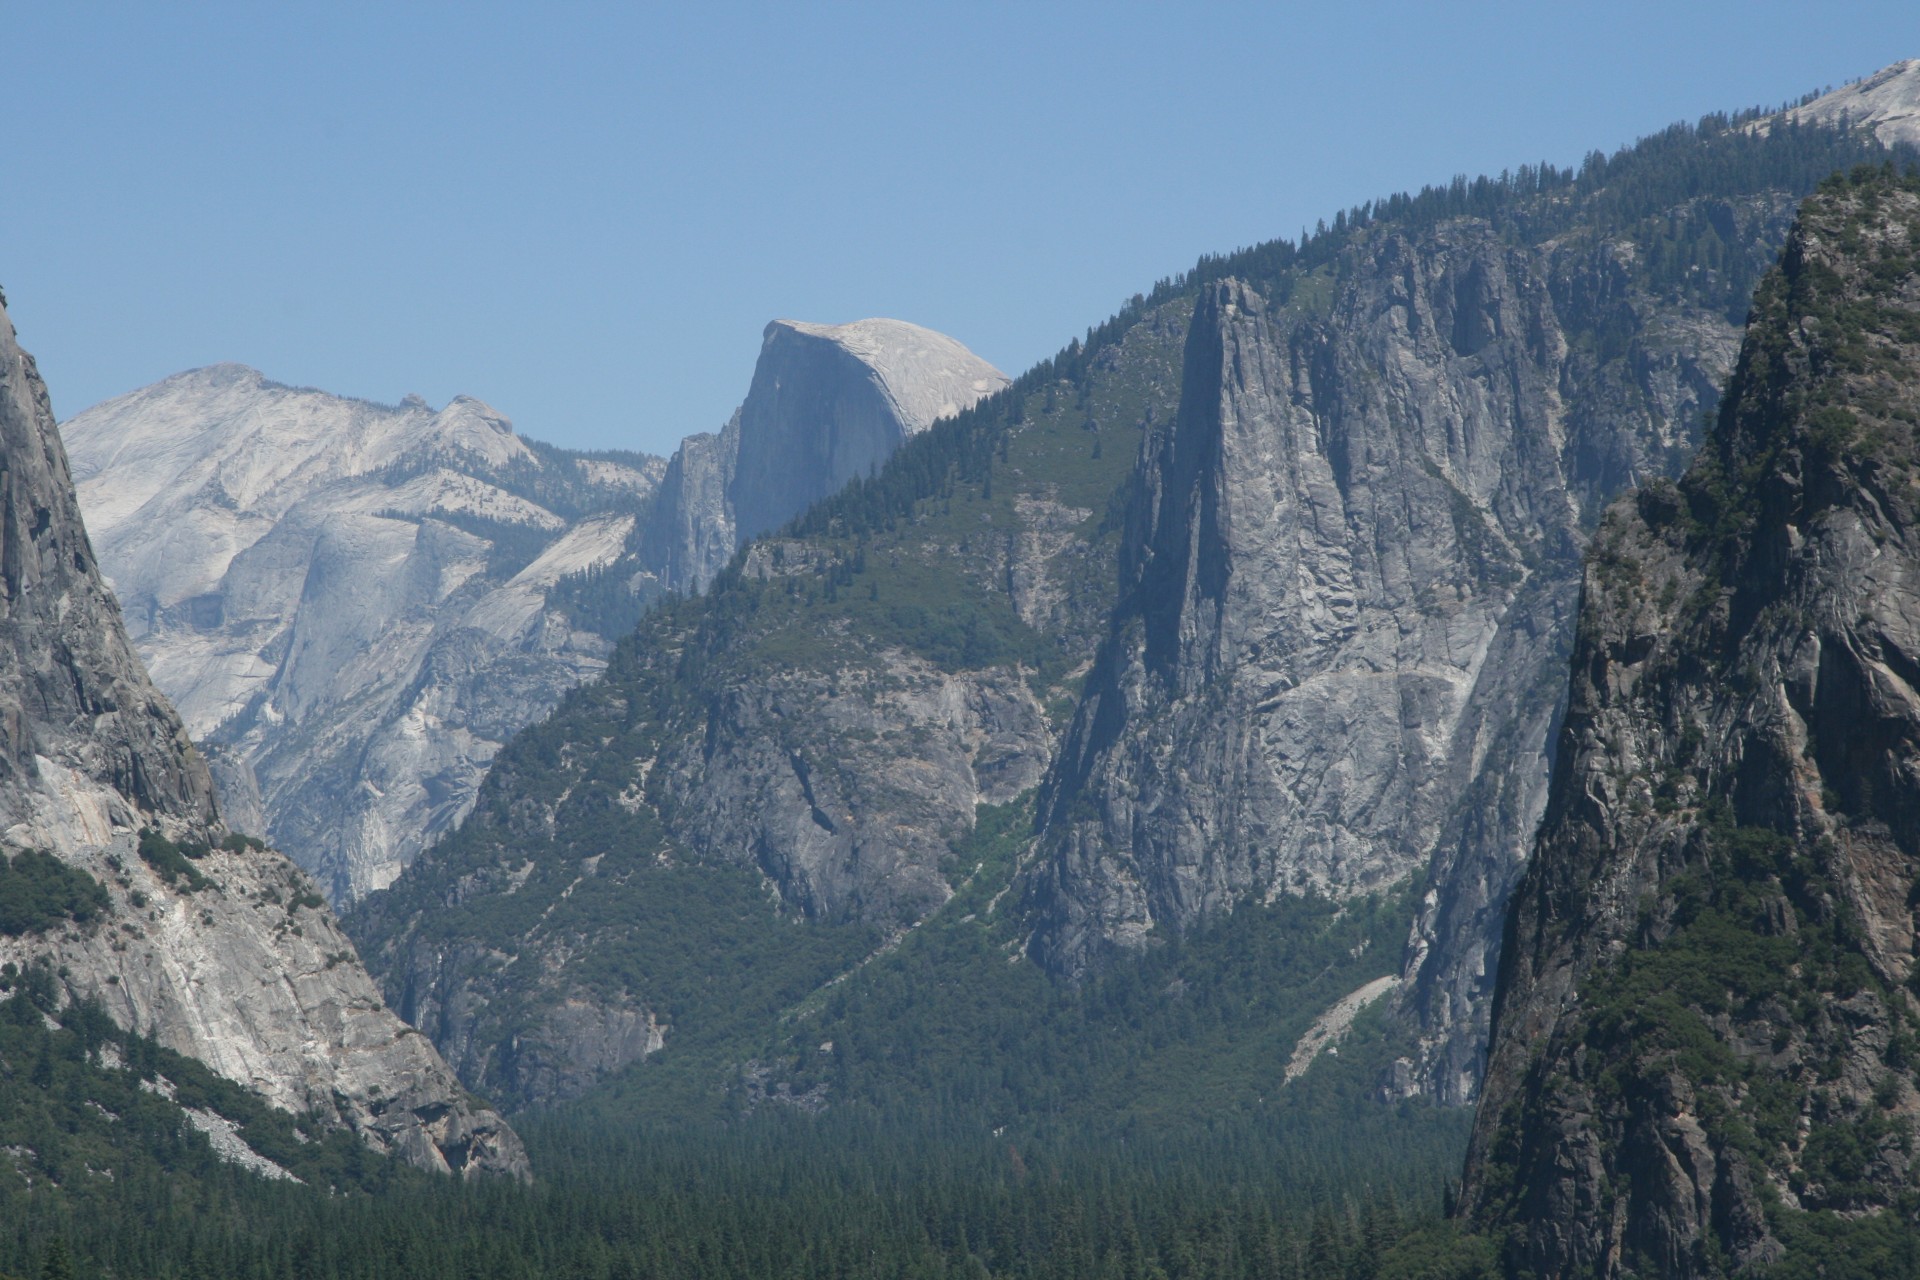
(585, 214)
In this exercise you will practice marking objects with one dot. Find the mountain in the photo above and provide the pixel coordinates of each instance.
(122, 892)
(825, 720)
(1261, 595)
(1705, 1025)
(355, 604)
(828, 404)
(1886, 103)
(1346, 586)
(352, 604)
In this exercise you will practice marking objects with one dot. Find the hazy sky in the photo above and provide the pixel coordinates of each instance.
(586, 214)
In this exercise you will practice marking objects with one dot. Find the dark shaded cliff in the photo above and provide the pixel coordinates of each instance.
(1706, 1027)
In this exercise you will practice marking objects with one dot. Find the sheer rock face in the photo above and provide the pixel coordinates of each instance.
(1705, 992)
(831, 402)
(692, 532)
(828, 404)
(1348, 586)
(250, 974)
(845, 787)
(318, 583)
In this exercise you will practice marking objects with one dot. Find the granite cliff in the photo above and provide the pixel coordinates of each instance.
(215, 946)
(828, 404)
(1349, 577)
(354, 604)
(1347, 593)
(1266, 589)
(1705, 1025)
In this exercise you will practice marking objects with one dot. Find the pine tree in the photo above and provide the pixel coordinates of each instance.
(58, 1263)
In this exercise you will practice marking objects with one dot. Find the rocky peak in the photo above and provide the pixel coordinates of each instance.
(331, 592)
(828, 403)
(1350, 576)
(474, 427)
(1705, 1003)
(181, 477)
(217, 947)
(924, 375)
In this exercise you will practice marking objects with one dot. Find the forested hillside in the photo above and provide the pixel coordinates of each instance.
(855, 924)
(776, 778)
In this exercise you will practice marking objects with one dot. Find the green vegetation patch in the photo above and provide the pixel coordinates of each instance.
(39, 892)
(82, 1111)
(173, 861)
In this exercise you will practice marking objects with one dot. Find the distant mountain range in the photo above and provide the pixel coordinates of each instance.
(353, 605)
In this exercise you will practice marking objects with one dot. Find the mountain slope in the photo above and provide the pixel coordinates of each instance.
(1443, 390)
(1348, 580)
(351, 603)
(121, 888)
(1706, 1025)
(355, 604)
(826, 719)
(1887, 103)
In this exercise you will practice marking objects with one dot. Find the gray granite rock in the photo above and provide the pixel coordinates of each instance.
(248, 973)
(1734, 814)
(828, 404)
(1347, 592)
(324, 587)
(328, 588)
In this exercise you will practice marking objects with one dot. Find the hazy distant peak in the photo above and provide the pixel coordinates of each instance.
(476, 427)
(926, 375)
(258, 434)
(225, 373)
(1888, 102)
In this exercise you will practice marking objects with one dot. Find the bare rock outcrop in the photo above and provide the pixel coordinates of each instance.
(218, 948)
(1886, 102)
(828, 404)
(352, 604)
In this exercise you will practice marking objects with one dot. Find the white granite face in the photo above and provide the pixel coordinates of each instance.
(1888, 102)
(828, 403)
(925, 375)
(245, 969)
(318, 583)
(304, 575)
